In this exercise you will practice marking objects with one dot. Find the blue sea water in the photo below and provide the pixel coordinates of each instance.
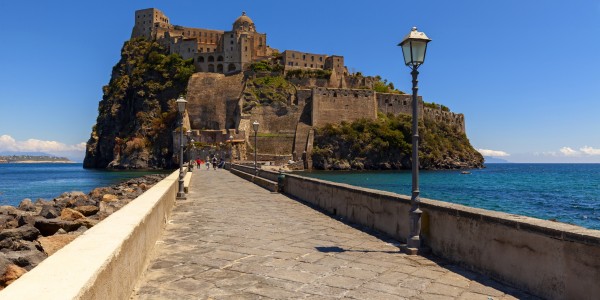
(569, 193)
(47, 181)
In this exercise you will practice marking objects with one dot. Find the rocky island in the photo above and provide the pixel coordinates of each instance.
(312, 112)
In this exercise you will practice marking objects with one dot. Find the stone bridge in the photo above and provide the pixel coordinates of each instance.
(233, 239)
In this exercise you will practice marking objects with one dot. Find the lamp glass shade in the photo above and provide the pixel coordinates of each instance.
(181, 104)
(414, 47)
(255, 125)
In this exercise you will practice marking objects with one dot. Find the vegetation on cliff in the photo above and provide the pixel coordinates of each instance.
(385, 143)
(267, 90)
(137, 112)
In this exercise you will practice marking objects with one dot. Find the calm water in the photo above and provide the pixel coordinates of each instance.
(19, 181)
(566, 192)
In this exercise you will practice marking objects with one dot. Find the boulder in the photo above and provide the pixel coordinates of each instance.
(49, 212)
(53, 243)
(69, 214)
(109, 198)
(51, 226)
(11, 273)
(87, 222)
(87, 210)
(27, 205)
(27, 232)
(42, 202)
(18, 245)
(26, 219)
(27, 259)
(8, 221)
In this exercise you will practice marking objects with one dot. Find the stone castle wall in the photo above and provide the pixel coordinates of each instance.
(445, 117)
(212, 100)
(336, 105)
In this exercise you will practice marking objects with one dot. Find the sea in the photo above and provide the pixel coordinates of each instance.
(568, 193)
(48, 180)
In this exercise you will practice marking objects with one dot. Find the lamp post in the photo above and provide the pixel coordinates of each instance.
(230, 150)
(181, 109)
(255, 127)
(191, 155)
(188, 148)
(414, 47)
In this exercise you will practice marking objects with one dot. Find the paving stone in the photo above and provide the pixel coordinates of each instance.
(443, 289)
(323, 290)
(391, 289)
(341, 281)
(479, 288)
(371, 294)
(427, 273)
(355, 273)
(229, 244)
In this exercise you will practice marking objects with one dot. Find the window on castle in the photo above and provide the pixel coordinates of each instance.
(201, 59)
(304, 57)
(293, 55)
(231, 48)
(312, 58)
(305, 65)
(231, 36)
(311, 65)
(246, 48)
(321, 59)
(404, 103)
(231, 42)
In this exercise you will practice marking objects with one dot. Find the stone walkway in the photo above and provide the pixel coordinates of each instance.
(234, 240)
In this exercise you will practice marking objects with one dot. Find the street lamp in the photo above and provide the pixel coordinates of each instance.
(230, 151)
(188, 134)
(255, 127)
(181, 109)
(414, 47)
(192, 150)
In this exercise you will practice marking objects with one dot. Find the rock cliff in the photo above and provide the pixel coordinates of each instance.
(385, 144)
(137, 115)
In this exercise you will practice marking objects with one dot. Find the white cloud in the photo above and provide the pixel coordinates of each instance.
(568, 151)
(493, 153)
(590, 151)
(8, 143)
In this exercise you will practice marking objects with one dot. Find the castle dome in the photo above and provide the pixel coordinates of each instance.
(243, 23)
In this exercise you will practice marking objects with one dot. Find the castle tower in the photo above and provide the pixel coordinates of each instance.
(148, 22)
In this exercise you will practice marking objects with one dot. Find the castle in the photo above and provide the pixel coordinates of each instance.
(224, 52)
(217, 92)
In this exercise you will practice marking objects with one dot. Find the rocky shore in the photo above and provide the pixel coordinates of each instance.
(35, 230)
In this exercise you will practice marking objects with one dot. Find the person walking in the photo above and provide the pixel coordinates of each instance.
(214, 163)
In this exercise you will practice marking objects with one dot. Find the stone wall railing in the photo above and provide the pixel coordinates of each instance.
(106, 261)
(551, 260)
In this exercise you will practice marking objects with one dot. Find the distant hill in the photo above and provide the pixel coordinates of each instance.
(12, 153)
(495, 160)
(29, 158)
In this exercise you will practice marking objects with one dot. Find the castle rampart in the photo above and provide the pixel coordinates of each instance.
(335, 105)
(445, 117)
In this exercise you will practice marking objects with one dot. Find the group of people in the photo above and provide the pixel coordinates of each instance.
(216, 163)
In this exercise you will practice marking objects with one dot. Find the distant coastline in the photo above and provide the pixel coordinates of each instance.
(33, 159)
(39, 162)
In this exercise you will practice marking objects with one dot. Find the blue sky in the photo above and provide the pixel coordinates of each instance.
(526, 73)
